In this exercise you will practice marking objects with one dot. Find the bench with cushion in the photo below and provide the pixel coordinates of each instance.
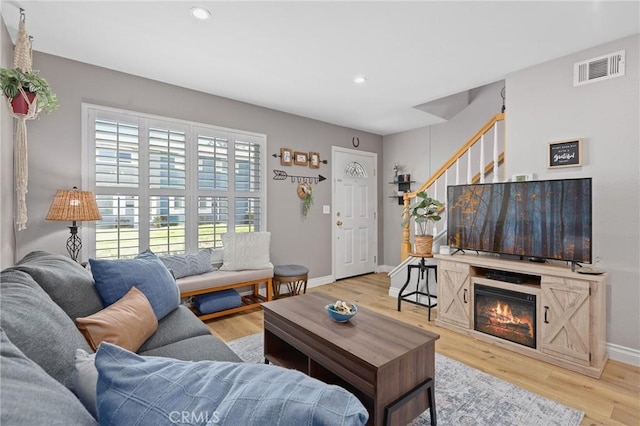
(217, 281)
(245, 263)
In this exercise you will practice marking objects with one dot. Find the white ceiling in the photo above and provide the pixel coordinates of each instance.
(301, 57)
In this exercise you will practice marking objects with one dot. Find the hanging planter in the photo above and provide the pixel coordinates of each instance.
(27, 94)
(305, 193)
(22, 88)
(20, 104)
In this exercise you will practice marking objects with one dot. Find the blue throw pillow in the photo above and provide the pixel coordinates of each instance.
(114, 278)
(184, 265)
(153, 390)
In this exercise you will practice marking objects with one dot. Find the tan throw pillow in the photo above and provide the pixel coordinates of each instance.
(128, 323)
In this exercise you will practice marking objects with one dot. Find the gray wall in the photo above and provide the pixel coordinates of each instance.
(55, 150)
(422, 151)
(543, 106)
(7, 250)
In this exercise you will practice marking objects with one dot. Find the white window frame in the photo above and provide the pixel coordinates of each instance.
(192, 129)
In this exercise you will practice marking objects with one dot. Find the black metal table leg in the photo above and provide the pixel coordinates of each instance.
(423, 271)
(406, 283)
(395, 405)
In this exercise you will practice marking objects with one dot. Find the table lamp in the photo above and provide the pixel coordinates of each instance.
(74, 206)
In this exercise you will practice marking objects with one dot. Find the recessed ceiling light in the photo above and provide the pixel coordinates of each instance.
(359, 79)
(200, 13)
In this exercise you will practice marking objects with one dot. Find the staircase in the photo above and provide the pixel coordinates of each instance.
(468, 165)
(485, 143)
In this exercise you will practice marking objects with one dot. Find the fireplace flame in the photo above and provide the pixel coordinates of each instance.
(503, 314)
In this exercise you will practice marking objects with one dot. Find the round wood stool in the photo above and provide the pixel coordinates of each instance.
(294, 276)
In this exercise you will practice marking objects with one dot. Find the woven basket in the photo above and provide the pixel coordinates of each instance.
(424, 244)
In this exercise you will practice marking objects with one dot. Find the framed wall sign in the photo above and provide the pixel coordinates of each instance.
(566, 153)
(300, 158)
(286, 156)
(314, 160)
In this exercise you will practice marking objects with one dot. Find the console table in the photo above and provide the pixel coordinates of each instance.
(387, 364)
(570, 308)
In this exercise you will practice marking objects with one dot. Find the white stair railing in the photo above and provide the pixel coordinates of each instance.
(474, 150)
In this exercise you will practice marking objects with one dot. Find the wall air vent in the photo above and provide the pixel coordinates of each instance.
(598, 69)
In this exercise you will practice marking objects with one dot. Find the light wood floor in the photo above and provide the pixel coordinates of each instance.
(614, 399)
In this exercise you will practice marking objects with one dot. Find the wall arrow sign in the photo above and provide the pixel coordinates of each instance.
(282, 175)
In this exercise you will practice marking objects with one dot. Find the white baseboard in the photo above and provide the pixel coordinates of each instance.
(384, 268)
(623, 354)
(616, 352)
(318, 281)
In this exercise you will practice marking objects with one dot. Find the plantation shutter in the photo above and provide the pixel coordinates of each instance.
(116, 153)
(170, 185)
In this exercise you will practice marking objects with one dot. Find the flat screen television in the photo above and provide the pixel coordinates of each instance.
(547, 219)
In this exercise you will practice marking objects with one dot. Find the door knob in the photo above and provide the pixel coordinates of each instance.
(339, 223)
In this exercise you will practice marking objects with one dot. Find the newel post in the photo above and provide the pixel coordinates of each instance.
(405, 246)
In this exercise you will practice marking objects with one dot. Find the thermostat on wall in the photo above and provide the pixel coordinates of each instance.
(521, 177)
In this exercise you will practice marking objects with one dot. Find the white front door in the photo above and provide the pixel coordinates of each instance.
(354, 217)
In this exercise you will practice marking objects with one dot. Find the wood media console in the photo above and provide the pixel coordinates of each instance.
(545, 311)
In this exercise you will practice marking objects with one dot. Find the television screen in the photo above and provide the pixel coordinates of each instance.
(539, 219)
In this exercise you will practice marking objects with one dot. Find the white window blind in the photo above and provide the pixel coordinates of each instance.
(213, 163)
(116, 153)
(169, 185)
(213, 216)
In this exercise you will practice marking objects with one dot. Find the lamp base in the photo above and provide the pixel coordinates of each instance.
(74, 243)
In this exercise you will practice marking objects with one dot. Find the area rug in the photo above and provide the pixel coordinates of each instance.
(465, 396)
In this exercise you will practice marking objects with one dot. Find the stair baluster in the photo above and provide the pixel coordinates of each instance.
(431, 185)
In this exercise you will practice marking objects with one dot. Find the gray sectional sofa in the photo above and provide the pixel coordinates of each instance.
(40, 297)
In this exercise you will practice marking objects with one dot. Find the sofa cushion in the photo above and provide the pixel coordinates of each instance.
(221, 278)
(114, 278)
(199, 348)
(37, 326)
(184, 265)
(65, 281)
(127, 323)
(31, 397)
(245, 250)
(178, 325)
(85, 380)
(149, 390)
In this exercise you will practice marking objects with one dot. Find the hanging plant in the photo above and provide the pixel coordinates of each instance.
(305, 193)
(27, 94)
(15, 84)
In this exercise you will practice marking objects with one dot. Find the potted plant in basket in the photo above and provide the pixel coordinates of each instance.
(14, 82)
(425, 209)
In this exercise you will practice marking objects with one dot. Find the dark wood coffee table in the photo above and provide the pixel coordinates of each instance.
(389, 365)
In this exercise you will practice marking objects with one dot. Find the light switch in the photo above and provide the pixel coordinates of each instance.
(326, 209)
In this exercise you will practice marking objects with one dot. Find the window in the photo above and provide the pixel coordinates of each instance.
(169, 185)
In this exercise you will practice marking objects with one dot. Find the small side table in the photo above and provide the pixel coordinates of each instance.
(422, 268)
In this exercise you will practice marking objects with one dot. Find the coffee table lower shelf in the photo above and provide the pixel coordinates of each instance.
(281, 353)
(284, 355)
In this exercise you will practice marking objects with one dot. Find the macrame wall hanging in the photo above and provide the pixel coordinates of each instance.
(27, 94)
(22, 59)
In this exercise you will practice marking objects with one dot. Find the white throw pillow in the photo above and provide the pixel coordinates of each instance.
(245, 250)
(84, 380)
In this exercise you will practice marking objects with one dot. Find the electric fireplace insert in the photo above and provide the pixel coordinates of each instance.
(510, 315)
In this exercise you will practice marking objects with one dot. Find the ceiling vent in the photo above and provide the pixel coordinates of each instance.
(598, 69)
